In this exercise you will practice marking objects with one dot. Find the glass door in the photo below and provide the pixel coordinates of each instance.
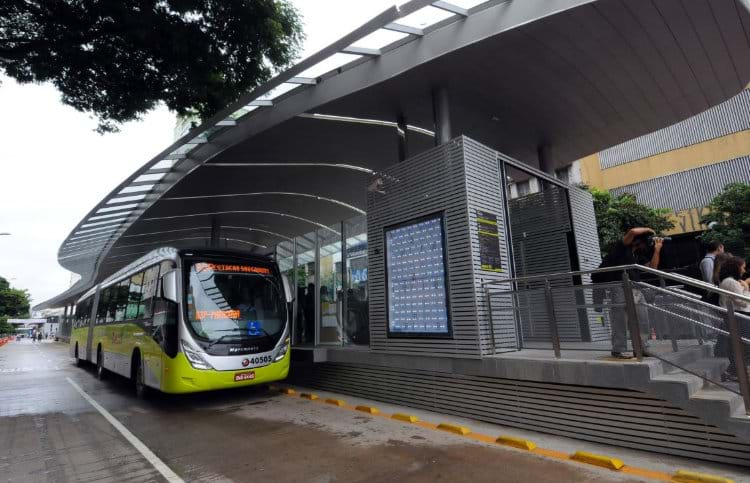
(330, 293)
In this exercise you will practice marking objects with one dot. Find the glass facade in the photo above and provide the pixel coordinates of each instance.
(329, 269)
(357, 317)
(331, 285)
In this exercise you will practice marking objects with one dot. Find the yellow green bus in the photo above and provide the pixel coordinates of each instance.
(182, 321)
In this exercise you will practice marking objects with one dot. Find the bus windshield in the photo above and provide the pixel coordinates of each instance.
(229, 303)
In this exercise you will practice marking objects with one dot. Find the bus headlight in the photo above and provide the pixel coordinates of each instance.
(196, 360)
(282, 351)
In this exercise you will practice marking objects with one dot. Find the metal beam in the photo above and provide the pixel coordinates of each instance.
(260, 103)
(404, 29)
(449, 7)
(303, 80)
(354, 50)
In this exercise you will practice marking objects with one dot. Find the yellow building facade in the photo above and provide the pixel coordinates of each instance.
(681, 167)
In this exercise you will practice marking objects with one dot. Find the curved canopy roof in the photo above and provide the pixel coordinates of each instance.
(558, 79)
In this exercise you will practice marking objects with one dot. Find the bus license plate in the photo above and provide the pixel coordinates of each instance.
(244, 376)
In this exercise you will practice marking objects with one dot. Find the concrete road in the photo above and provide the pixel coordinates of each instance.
(50, 431)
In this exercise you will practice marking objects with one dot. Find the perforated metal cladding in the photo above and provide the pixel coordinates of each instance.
(483, 193)
(455, 179)
(621, 417)
(589, 257)
(693, 188)
(726, 118)
(541, 224)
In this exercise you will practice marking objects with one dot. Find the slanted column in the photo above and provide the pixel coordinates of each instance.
(215, 232)
(545, 159)
(441, 115)
(403, 138)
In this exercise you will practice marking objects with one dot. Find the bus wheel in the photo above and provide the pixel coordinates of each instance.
(101, 372)
(79, 363)
(141, 390)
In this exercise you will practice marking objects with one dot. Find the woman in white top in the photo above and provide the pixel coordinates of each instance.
(730, 276)
(730, 279)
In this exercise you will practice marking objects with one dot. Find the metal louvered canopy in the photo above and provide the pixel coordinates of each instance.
(553, 79)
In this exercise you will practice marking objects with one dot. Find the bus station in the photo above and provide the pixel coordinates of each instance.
(399, 191)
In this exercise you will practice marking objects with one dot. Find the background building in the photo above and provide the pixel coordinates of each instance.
(681, 167)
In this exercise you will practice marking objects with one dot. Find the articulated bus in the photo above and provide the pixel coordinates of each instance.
(186, 321)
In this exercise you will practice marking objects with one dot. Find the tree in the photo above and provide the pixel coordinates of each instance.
(118, 60)
(5, 327)
(730, 211)
(13, 302)
(617, 214)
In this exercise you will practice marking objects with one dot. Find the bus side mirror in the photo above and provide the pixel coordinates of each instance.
(288, 293)
(169, 286)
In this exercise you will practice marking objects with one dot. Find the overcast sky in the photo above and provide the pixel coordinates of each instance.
(54, 168)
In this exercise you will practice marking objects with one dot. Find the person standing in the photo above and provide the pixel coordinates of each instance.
(637, 246)
(707, 264)
(731, 276)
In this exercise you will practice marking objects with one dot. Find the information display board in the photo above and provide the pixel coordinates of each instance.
(416, 279)
(489, 242)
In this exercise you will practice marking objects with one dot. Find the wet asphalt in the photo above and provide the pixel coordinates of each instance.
(50, 433)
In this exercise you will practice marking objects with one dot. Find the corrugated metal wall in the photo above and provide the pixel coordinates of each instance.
(726, 118)
(689, 189)
(610, 416)
(457, 178)
(589, 258)
(541, 224)
(484, 193)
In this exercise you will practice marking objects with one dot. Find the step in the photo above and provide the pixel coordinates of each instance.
(708, 368)
(685, 355)
(715, 405)
(676, 386)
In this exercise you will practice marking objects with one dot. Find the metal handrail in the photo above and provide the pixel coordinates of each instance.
(621, 268)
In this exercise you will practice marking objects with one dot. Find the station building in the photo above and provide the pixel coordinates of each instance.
(396, 166)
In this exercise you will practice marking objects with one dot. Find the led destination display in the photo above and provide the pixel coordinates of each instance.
(415, 268)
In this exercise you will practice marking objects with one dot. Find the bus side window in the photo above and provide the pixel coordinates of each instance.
(165, 323)
(150, 279)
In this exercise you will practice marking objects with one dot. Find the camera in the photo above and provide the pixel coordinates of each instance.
(651, 240)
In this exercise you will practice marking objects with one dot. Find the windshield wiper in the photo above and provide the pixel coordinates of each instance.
(218, 340)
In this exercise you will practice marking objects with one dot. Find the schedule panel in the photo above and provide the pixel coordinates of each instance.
(416, 279)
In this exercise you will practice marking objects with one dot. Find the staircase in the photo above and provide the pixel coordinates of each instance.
(682, 378)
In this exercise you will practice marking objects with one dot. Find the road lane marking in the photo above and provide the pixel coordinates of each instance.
(160, 466)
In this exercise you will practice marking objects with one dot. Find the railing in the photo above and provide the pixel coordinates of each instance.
(661, 316)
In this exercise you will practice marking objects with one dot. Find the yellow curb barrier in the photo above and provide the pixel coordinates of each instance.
(368, 409)
(311, 397)
(407, 418)
(336, 402)
(693, 477)
(287, 391)
(519, 443)
(598, 460)
(454, 428)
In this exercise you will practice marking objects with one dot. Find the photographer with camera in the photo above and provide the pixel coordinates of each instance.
(638, 246)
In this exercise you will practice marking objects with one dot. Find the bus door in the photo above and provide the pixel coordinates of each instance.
(92, 319)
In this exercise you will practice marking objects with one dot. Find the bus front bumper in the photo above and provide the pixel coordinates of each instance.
(179, 376)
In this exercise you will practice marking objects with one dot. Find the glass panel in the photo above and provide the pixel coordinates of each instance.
(379, 39)
(101, 311)
(285, 259)
(357, 319)
(331, 285)
(306, 288)
(149, 289)
(425, 17)
(122, 299)
(134, 296)
(326, 65)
